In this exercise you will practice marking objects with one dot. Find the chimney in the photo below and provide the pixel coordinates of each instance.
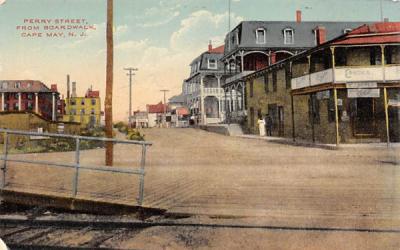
(53, 87)
(321, 35)
(386, 20)
(209, 46)
(298, 16)
(73, 94)
(68, 90)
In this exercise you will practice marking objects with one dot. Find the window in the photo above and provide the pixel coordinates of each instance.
(233, 39)
(73, 102)
(93, 101)
(288, 36)
(260, 36)
(313, 108)
(30, 96)
(83, 102)
(237, 37)
(251, 87)
(212, 64)
(72, 112)
(266, 88)
(4, 85)
(30, 106)
(92, 112)
(375, 56)
(251, 117)
(28, 85)
(288, 77)
(82, 111)
(17, 85)
(274, 81)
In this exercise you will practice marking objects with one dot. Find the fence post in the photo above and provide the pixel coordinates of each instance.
(5, 152)
(141, 184)
(76, 176)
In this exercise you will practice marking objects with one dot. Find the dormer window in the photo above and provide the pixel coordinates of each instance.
(212, 64)
(345, 31)
(288, 36)
(260, 36)
(233, 40)
(17, 85)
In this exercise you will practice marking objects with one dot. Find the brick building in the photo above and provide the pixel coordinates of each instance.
(253, 45)
(342, 91)
(83, 109)
(30, 95)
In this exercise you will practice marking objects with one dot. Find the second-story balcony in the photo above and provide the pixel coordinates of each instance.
(349, 74)
(217, 92)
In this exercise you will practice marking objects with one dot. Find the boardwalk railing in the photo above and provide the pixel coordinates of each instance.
(76, 165)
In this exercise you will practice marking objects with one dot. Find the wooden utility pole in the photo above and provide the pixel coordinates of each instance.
(165, 105)
(109, 83)
(130, 74)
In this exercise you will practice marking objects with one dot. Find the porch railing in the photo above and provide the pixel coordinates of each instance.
(140, 171)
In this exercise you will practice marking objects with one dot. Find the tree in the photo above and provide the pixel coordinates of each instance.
(109, 83)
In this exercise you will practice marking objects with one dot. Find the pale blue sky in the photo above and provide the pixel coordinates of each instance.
(160, 37)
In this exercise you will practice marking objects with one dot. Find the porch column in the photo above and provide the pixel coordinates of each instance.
(53, 117)
(242, 61)
(243, 96)
(293, 126)
(219, 97)
(336, 115)
(237, 98)
(230, 100)
(333, 64)
(386, 116)
(37, 103)
(2, 101)
(19, 102)
(202, 107)
(312, 117)
(383, 62)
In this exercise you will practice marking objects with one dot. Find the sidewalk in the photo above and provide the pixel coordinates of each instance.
(304, 143)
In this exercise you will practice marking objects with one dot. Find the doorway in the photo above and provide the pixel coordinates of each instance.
(363, 110)
(281, 121)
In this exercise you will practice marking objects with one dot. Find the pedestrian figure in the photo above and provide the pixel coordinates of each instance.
(261, 126)
(268, 124)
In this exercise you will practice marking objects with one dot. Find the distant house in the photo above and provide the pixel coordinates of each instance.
(202, 89)
(156, 114)
(140, 119)
(86, 109)
(30, 95)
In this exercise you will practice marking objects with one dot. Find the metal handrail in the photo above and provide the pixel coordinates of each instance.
(77, 165)
(18, 132)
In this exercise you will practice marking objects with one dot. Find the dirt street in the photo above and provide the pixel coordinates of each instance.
(221, 179)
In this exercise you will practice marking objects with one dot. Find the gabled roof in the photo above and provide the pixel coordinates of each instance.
(218, 50)
(156, 108)
(177, 99)
(24, 86)
(377, 33)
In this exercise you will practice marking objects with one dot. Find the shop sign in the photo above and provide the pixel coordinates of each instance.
(323, 95)
(363, 93)
(394, 103)
(362, 85)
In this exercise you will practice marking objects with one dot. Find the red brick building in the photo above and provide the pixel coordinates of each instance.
(30, 95)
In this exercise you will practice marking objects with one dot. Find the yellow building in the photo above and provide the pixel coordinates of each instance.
(86, 110)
